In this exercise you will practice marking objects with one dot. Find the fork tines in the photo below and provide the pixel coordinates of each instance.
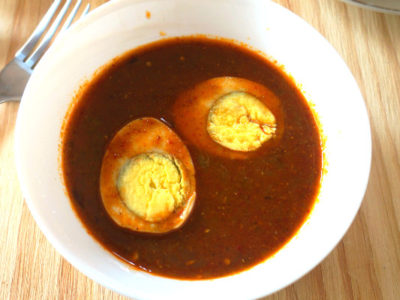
(25, 51)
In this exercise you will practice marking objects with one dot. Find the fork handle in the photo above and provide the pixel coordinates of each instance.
(13, 79)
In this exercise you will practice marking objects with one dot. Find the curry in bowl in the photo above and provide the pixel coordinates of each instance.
(191, 158)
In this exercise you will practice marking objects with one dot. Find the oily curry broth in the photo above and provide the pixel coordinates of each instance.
(245, 209)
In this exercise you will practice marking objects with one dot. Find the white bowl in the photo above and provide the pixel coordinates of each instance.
(122, 25)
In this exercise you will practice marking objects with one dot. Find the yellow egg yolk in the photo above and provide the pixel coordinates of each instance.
(152, 186)
(241, 122)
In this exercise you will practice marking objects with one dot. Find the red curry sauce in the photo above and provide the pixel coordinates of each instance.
(245, 209)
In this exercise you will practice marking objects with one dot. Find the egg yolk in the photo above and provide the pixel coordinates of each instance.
(152, 186)
(241, 122)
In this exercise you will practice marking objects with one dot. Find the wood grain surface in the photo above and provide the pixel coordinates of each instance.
(364, 265)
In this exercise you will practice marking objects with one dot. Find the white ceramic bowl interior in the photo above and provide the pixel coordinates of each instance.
(122, 25)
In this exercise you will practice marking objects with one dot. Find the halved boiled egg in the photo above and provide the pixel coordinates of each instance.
(229, 116)
(147, 178)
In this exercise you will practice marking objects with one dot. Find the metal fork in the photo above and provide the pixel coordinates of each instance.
(15, 75)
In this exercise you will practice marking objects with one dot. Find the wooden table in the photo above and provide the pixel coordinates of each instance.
(364, 265)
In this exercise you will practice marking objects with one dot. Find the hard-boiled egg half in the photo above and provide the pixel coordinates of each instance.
(147, 178)
(229, 116)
